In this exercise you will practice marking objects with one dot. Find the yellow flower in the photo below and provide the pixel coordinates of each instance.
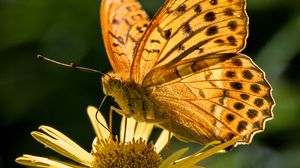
(111, 152)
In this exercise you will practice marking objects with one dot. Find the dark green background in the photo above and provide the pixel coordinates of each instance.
(33, 92)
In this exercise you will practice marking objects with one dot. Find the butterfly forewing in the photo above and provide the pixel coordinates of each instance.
(123, 23)
(191, 29)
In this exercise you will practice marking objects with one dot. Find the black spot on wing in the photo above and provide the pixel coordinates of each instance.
(251, 113)
(212, 30)
(181, 8)
(228, 12)
(255, 88)
(210, 16)
(236, 85)
(242, 126)
(197, 8)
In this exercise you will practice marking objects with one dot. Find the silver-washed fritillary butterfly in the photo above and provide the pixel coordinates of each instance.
(183, 71)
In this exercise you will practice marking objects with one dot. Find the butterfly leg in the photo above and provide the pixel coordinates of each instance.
(120, 111)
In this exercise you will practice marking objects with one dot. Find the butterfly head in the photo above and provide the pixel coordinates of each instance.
(111, 83)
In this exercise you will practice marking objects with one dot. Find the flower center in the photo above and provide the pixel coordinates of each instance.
(110, 153)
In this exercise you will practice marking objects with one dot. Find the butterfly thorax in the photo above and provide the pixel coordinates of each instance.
(131, 97)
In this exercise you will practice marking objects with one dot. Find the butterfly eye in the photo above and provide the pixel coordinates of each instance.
(116, 84)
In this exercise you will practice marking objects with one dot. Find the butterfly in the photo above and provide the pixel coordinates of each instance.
(183, 69)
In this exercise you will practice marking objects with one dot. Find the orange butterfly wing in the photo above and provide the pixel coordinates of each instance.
(123, 23)
(189, 29)
(218, 102)
(188, 64)
(189, 58)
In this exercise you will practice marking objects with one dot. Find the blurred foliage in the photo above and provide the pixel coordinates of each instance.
(33, 92)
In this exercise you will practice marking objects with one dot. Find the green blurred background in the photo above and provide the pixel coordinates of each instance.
(33, 92)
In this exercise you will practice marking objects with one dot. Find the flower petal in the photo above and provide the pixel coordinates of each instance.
(130, 129)
(171, 159)
(143, 130)
(41, 162)
(100, 129)
(60, 143)
(198, 156)
(162, 140)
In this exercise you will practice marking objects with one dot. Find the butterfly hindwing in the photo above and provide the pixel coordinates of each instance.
(227, 99)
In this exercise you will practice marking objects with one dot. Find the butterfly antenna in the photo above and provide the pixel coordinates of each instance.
(97, 112)
(70, 65)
